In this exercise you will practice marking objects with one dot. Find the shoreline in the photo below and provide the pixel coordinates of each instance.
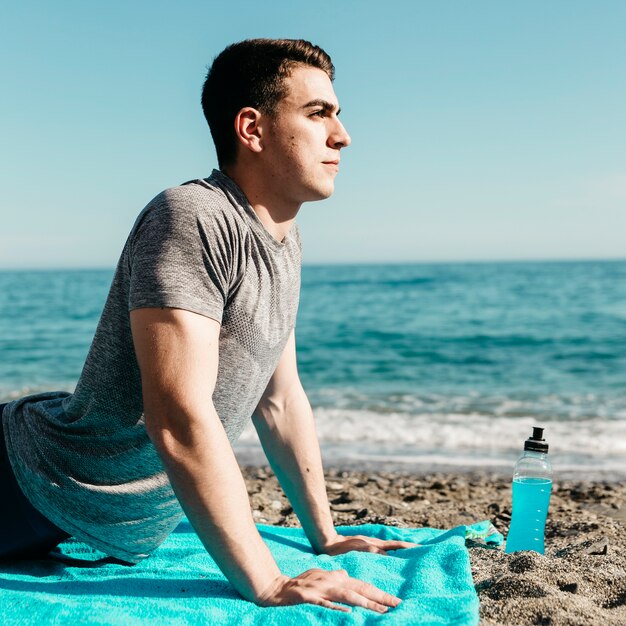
(253, 456)
(581, 579)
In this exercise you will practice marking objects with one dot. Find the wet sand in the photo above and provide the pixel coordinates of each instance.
(581, 579)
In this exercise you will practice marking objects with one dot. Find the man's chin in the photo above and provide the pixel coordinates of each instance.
(325, 191)
(319, 191)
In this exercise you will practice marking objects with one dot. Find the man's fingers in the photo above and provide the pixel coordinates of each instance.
(375, 549)
(385, 544)
(327, 588)
(373, 593)
(362, 543)
(354, 598)
(359, 593)
(336, 607)
(399, 545)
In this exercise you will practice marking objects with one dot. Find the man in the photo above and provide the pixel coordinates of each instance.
(197, 334)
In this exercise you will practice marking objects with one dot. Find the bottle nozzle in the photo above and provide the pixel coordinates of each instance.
(536, 443)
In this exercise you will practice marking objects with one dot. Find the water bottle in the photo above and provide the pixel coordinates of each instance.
(532, 483)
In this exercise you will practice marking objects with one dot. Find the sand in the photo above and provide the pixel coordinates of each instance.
(581, 579)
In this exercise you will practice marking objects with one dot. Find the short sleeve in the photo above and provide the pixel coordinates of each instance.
(180, 256)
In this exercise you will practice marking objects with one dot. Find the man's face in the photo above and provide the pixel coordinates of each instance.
(304, 137)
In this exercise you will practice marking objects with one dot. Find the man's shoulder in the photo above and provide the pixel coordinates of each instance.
(194, 202)
(191, 197)
(194, 218)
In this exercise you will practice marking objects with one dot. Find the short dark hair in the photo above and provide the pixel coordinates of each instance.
(251, 73)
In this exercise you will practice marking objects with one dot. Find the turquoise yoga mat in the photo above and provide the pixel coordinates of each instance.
(181, 585)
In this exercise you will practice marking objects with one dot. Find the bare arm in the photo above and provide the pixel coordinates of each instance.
(178, 355)
(286, 427)
(284, 422)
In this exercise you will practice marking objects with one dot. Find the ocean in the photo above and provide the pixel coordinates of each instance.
(414, 366)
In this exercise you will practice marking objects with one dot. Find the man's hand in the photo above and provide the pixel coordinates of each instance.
(341, 544)
(318, 586)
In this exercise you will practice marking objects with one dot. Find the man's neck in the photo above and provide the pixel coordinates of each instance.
(275, 213)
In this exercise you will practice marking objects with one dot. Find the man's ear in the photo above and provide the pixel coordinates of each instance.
(248, 129)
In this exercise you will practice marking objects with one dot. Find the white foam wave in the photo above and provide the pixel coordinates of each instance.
(551, 406)
(462, 439)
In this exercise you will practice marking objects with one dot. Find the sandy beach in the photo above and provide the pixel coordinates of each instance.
(581, 579)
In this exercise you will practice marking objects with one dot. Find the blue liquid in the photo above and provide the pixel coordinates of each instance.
(531, 498)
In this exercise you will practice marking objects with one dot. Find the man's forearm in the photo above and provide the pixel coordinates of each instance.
(287, 432)
(206, 478)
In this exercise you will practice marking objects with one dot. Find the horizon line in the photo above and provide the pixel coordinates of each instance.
(79, 268)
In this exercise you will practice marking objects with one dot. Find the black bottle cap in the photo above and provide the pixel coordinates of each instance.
(536, 443)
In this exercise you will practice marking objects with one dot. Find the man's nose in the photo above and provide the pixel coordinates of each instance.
(340, 137)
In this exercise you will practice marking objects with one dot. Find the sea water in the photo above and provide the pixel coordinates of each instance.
(411, 365)
(531, 498)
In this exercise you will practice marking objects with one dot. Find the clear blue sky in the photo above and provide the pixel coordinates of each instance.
(481, 130)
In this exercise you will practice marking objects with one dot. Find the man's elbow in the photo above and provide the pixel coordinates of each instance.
(269, 413)
(275, 408)
(172, 428)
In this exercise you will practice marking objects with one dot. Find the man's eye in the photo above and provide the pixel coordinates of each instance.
(320, 113)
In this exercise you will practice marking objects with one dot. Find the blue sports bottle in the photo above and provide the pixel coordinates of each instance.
(532, 484)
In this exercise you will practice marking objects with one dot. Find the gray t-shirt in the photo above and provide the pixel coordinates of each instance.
(84, 459)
